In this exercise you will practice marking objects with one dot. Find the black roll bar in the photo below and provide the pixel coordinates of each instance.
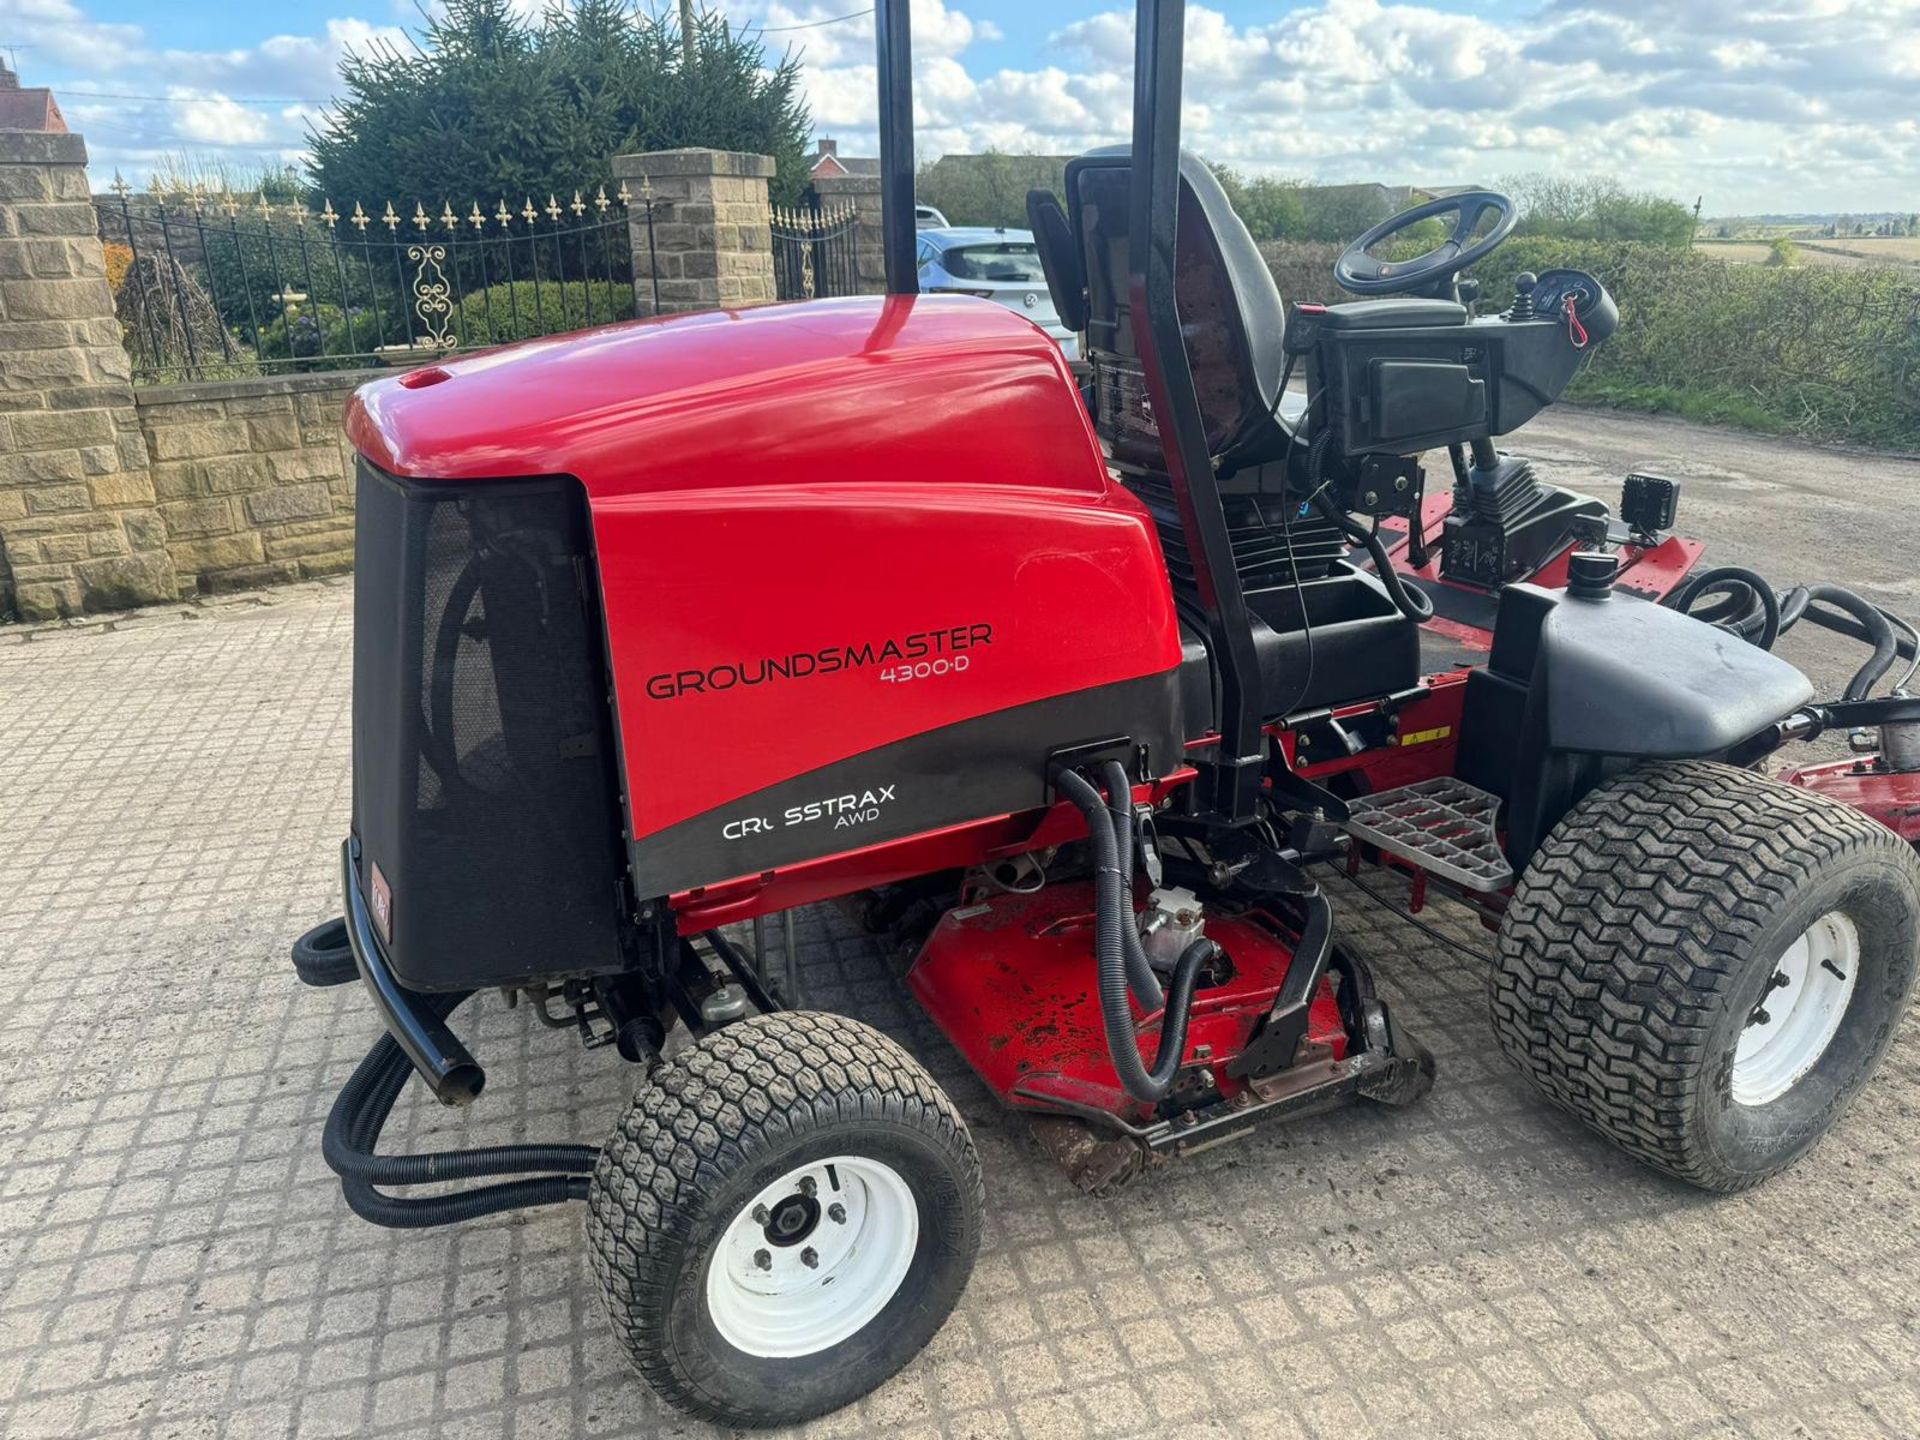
(416, 1026)
(893, 44)
(1232, 774)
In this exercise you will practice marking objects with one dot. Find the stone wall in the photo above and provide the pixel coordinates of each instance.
(78, 524)
(710, 241)
(869, 237)
(112, 496)
(254, 478)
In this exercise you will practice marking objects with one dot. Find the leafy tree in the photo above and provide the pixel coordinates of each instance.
(1783, 252)
(484, 105)
(1341, 213)
(1597, 208)
(988, 189)
(1271, 208)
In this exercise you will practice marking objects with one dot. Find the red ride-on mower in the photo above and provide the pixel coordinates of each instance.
(670, 627)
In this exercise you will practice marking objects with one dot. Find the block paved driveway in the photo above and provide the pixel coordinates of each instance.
(175, 1258)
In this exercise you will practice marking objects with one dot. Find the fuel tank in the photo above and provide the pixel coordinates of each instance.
(862, 567)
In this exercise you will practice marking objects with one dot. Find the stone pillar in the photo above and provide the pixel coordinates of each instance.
(710, 245)
(869, 239)
(78, 527)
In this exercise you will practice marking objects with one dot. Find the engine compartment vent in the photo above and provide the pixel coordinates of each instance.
(1265, 552)
(485, 790)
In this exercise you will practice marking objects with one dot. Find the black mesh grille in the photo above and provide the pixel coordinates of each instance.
(1261, 545)
(484, 785)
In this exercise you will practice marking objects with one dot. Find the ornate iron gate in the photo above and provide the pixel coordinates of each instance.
(813, 251)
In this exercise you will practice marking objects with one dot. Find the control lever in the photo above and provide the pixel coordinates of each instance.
(1149, 845)
(1523, 288)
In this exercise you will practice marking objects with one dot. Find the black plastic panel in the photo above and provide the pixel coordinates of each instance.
(1412, 398)
(1625, 677)
(1512, 369)
(993, 764)
(1361, 647)
(485, 793)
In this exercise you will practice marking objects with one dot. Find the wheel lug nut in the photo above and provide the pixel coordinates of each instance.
(810, 1258)
(760, 1216)
(837, 1213)
(808, 1185)
(763, 1259)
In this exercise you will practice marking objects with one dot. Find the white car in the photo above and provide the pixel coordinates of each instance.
(925, 217)
(998, 265)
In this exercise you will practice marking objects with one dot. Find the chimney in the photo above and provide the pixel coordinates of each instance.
(8, 80)
(829, 147)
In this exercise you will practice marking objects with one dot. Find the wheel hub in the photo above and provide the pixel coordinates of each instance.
(813, 1258)
(792, 1220)
(1799, 1012)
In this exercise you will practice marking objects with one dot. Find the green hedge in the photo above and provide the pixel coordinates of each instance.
(1303, 269)
(1819, 351)
(324, 335)
(504, 313)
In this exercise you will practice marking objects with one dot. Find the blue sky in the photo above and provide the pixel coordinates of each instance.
(1753, 104)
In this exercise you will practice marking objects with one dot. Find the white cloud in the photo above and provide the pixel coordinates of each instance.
(140, 105)
(58, 32)
(1785, 104)
(1778, 104)
(302, 67)
(210, 118)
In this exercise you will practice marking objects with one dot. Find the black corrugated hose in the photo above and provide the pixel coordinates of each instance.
(1113, 923)
(353, 1129)
(1750, 607)
(1140, 977)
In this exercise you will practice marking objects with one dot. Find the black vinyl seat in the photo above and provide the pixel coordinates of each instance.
(1234, 323)
(1231, 311)
(1393, 313)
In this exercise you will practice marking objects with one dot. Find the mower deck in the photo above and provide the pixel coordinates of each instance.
(1007, 980)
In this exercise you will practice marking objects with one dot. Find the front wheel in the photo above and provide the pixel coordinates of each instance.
(783, 1218)
(1706, 966)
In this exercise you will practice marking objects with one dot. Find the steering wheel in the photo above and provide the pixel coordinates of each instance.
(1361, 273)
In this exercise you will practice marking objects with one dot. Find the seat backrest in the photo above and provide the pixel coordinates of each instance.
(1230, 310)
(1059, 258)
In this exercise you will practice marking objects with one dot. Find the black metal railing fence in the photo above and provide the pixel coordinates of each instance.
(813, 250)
(211, 285)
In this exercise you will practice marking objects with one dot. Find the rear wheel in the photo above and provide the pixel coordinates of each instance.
(783, 1218)
(1706, 966)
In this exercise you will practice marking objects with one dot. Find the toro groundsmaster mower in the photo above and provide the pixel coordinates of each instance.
(664, 629)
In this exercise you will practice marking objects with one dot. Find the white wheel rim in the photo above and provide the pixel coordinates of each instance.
(1795, 1021)
(812, 1258)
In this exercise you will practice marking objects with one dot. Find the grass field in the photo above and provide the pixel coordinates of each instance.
(1847, 252)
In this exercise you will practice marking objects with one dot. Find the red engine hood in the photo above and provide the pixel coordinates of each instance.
(830, 391)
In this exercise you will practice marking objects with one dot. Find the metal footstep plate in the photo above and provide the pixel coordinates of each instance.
(1444, 825)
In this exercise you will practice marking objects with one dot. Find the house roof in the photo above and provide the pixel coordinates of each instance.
(28, 108)
(844, 165)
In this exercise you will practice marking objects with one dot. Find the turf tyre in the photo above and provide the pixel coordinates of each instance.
(1646, 931)
(701, 1139)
